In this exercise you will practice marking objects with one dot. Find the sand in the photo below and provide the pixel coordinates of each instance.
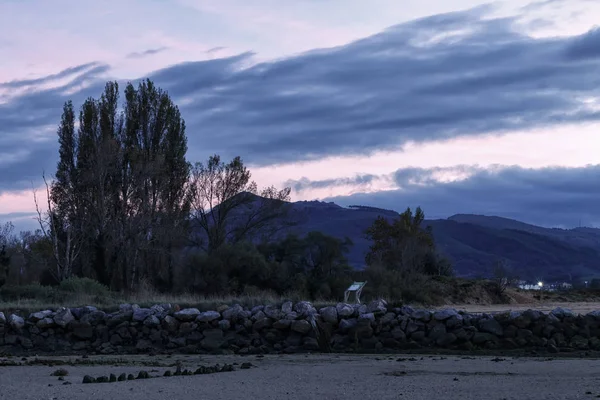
(580, 307)
(318, 377)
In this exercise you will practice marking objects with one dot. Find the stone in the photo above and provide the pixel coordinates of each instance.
(152, 321)
(34, 317)
(140, 314)
(367, 316)
(456, 321)
(224, 325)
(233, 312)
(208, 316)
(363, 328)
(377, 306)
(482, 337)
(170, 323)
(490, 325)
(262, 324)
(2, 319)
(446, 339)
(45, 323)
(442, 315)
(287, 307)
(143, 345)
(398, 334)
(272, 312)
(329, 314)
(422, 315)
(81, 330)
(213, 339)
(282, 324)
(344, 310)
(437, 331)
(561, 313)
(94, 317)
(187, 314)
(16, 322)
(304, 308)
(301, 326)
(346, 324)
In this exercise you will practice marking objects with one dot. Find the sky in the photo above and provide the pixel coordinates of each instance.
(458, 107)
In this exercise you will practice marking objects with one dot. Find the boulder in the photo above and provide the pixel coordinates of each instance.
(208, 316)
(16, 322)
(152, 321)
(561, 313)
(287, 307)
(344, 310)
(490, 325)
(233, 312)
(213, 339)
(34, 317)
(45, 323)
(304, 308)
(140, 314)
(422, 315)
(377, 306)
(442, 315)
(347, 324)
(329, 314)
(301, 326)
(367, 316)
(187, 314)
(2, 318)
(63, 317)
(81, 330)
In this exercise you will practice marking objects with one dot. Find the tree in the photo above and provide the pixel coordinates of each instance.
(503, 276)
(5, 238)
(121, 185)
(228, 208)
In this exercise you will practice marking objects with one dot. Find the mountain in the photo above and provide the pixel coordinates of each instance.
(472, 242)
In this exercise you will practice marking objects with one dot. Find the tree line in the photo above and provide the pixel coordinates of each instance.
(126, 208)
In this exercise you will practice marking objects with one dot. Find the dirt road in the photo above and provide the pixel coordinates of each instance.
(582, 308)
(317, 377)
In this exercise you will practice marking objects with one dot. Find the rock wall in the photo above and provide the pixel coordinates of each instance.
(292, 328)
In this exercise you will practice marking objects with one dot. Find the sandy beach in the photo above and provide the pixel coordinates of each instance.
(313, 377)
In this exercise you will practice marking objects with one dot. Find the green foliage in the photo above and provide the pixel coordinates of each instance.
(83, 285)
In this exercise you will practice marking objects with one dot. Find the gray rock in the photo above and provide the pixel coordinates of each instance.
(140, 314)
(63, 317)
(143, 345)
(256, 309)
(273, 312)
(437, 331)
(2, 318)
(16, 322)
(446, 339)
(421, 315)
(360, 309)
(45, 323)
(490, 325)
(170, 323)
(39, 315)
(552, 319)
(225, 325)
(213, 339)
(152, 321)
(562, 312)
(442, 315)
(595, 314)
(208, 316)
(304, 308)
(282, 324)
(262, 324)
(82, 330)
(301, 326)
(94, 317)
(233, 312)
(329, 315)
(125, 308)
(258, 316)
(287, 307)
(187, 314)
(367, 316)
(398, 334)
(344, 310)
(455, 321)
(377, 306)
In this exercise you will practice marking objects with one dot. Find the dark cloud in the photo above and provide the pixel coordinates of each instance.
(146, 53)
(215, 49)
(554, 197)
(305, 183)
(429, 79)
(585, 46)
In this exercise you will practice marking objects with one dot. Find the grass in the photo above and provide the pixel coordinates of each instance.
(31, 298)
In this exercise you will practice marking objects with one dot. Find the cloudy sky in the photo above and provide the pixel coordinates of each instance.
(458, 106)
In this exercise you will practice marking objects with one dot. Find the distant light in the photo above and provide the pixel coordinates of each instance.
(540, 284)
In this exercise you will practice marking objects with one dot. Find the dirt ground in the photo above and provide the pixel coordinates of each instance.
(315, 377)
(577, 307)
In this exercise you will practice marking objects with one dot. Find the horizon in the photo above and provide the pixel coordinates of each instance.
(466, 108)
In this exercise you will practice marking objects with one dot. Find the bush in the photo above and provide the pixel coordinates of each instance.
(83, 286)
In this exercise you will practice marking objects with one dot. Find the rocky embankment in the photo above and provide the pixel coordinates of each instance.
(292, 328)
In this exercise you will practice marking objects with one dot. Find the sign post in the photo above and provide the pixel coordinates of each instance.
(357, 288)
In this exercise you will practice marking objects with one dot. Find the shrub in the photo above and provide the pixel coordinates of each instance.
(83, 286)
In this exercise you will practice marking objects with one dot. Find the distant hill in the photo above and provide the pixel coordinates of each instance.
(472, 242)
